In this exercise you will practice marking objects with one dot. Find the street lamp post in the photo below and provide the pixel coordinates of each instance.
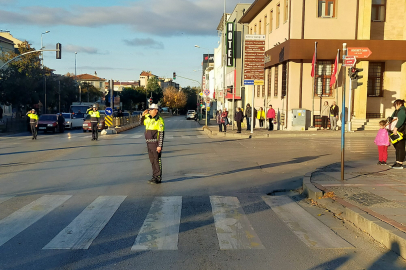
(208, 56)
(45, 78)
(80, 89)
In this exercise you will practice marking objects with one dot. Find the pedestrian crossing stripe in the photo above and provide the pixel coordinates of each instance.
(160, 229)
(5, 198)
(109, 120)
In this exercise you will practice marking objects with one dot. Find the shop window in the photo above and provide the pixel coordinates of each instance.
(269, 82)
(258, 91)
(275, 89)
(375, 79)
(326, 8)
(284, 79)
(378, 10)
(271, 22)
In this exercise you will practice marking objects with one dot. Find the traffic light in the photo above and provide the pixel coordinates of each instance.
(355, 76)
(58, 50)
(150, 101)
(201, 103)
(174, 75)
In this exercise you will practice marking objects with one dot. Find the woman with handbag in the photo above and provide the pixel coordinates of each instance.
(224, 119)
(399, 129)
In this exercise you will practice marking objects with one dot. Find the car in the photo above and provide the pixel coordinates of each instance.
(136, 113)
(48, 122)
(191, 114)
(73, 120)
(87, 126)
(164, 110)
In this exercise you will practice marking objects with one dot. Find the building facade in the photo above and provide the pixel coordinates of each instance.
(292, 28)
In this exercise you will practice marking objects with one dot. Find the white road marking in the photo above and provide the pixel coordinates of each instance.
(136, 136)
(5, 198)
(202, 136)
(81, 232)
(168, 137)
(309, 229)
(186, 137)
(234, 231)
(28, 215)
(160, 230)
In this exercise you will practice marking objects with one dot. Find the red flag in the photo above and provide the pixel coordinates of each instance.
(313, 64)
(333, 75)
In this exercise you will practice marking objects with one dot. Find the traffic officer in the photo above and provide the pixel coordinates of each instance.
(33, 123)
(94, 120)
(154, 136)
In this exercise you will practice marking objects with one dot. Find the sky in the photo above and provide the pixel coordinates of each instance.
(119, 39)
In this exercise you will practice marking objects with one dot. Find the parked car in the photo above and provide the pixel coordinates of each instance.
(136, 113)
(48, 122)
(191, 114)
(87, 126)
(73, 120)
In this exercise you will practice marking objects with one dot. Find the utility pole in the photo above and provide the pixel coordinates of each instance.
(344, 72)
(59, 90)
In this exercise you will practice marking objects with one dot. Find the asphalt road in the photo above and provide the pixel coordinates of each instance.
(67, 202)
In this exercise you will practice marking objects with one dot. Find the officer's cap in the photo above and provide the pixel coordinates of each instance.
(153, 106)
(94, 106)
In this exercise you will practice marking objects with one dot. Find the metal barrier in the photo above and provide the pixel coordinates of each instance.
(126, 120)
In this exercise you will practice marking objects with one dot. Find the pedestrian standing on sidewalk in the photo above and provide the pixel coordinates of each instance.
(325, 112)
(270, 115)
(248, 115)
(218, 120)
(400, 114)
(239, 118)
(33, 123)
(224, 119)
(261, 117)
(1, 112)
(382, 141)
(334, 115)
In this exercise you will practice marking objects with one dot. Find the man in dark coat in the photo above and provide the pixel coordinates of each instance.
(239, 118)
(61, 123)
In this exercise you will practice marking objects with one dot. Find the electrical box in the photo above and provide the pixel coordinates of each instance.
(301, 119)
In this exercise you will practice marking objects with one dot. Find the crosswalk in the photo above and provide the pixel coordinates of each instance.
(161, 227)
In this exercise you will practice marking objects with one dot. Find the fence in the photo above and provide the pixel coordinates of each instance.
(126, 120)
(14, 125)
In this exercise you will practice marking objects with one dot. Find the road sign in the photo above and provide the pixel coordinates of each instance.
(248, 82)
(359, 52)
(201, 94)
(350, 61)
(258, 82)
(206, 92)
(109, 120)
(109, 111)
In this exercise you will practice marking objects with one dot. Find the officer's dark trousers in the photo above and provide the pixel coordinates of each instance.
(155, 159)
(34, 130)
(95, 134)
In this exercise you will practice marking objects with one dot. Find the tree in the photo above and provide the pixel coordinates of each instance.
(154, 88)
(89, 92)
(174, 99)
(131, 97)
(191, 93)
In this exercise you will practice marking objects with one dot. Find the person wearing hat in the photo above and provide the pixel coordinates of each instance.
(94, 120)
(33, 123)
(154, 136)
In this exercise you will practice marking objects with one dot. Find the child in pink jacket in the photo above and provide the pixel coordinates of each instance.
(382, 141)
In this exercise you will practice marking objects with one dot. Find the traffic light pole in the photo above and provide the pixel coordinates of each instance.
(343, 111)
(349, 125)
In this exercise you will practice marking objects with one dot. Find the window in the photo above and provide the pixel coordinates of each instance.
(263, 90)
(323, 78)
(375, 79)
(275, 89)
(278, 14)
(260, 28)
(251, 31)
(271, 22)
(286, 11)
(284, 80)
(327, 8)
(255, 29)
(378, 10)
(258, 91)
(265, 23)
(269, 82)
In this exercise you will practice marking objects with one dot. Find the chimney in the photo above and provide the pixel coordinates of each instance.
(95, 73)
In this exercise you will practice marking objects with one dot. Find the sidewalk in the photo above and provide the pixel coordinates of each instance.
(212, 130)
(372, 197)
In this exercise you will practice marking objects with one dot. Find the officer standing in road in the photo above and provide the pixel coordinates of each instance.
(154, 136)
(94, 120)
(33, 123)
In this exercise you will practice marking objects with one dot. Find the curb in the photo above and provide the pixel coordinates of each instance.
(388, 235)
(224, 134)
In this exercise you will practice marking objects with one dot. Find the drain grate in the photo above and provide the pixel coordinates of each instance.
(367, 199)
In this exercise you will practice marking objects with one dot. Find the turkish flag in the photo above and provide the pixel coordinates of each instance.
(313, 64)
(334, 74)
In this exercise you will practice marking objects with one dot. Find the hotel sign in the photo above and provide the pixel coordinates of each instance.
(230, 44)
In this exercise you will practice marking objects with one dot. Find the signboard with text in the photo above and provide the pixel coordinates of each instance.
(254, 53)
(359, 52)
(350, 61)
(230, 44)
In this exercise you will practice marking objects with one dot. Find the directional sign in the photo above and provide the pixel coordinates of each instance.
(201, 94)
(359, 52)
(206, 92)
(350, 61)
(109, 121)
(109, 111)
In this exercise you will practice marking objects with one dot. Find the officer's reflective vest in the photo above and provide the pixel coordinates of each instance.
(93, 115)
(33, 117)
(154, 129)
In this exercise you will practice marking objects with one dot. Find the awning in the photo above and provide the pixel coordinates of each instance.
(230, 96)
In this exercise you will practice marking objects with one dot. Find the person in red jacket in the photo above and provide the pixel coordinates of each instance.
(270, 116)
